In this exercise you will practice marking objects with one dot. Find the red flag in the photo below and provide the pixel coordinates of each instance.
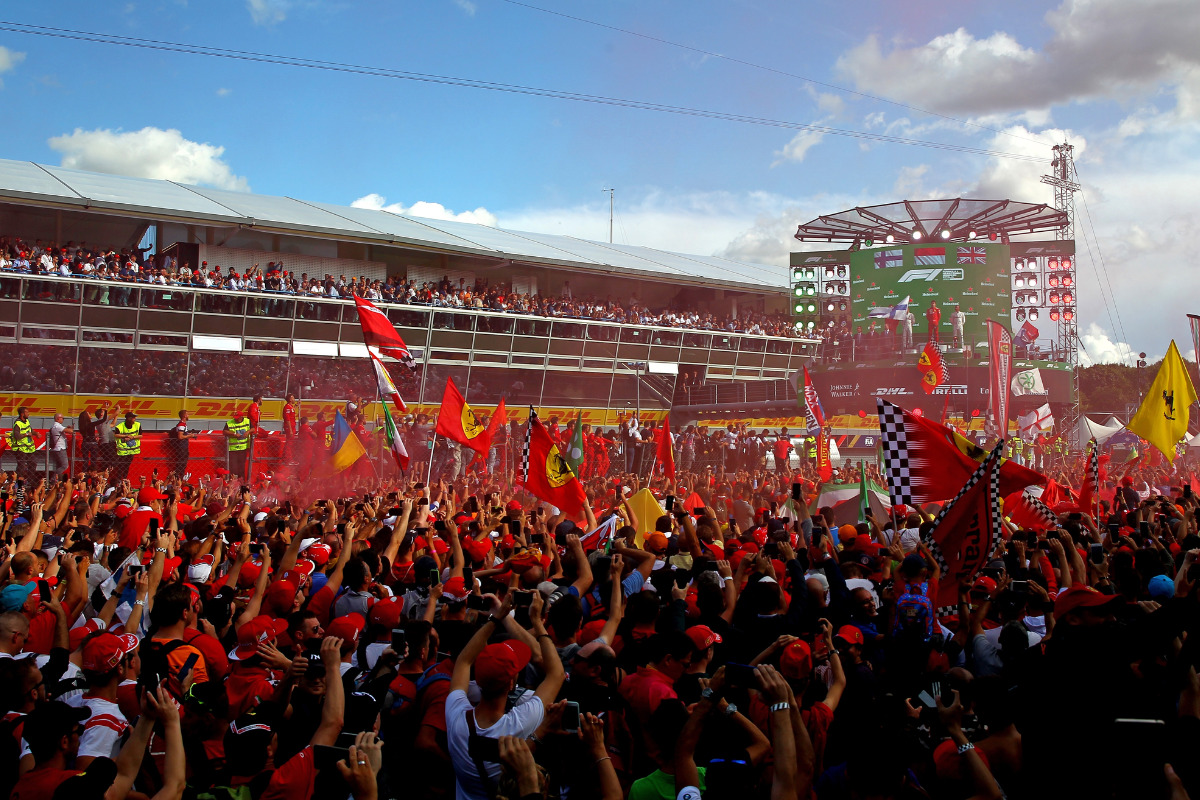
(1029, 512)
(663, 452)
(387, 388)
(457, 421)
(932, 367)
(545, 473)
(927, 461)
(965, 532)
(379, 332)
(824, 462)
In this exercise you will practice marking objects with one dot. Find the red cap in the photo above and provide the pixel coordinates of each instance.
(319, 553)
(455, 590)
(260, 629)
(850, 634)
(122, 510)
(169, 564)
(439, 546)
(795, 663)
(386, 613)
(499, 663)
(703, 637)
(80, 633)
(148, 494)
(281, 596)
(513, 507)
(760, 536)
(655, 543)
(104, 652)
(475, 549)
(984, 584)
(1080, 596)
(347, 628)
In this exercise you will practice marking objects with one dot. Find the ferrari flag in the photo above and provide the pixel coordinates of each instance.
(379, 333)
(1163, 417)
(546, 474)
(456, 421)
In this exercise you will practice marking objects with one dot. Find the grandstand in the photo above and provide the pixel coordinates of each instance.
(609, 327)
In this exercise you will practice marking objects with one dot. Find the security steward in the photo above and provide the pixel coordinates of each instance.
(129, 444)
(237, 440)
(23, 445)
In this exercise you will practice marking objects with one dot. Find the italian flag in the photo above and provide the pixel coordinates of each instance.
(395, 444)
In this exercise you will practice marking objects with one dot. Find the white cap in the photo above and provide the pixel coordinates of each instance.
(260, 516)
(307, 543)
(389, 521)
(199, 572)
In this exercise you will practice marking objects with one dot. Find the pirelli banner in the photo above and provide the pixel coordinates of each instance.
(970, 276)
(849, 391)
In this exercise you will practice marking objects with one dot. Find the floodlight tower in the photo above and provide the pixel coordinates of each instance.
(1063, 180)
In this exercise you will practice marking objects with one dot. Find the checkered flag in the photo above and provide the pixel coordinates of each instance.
(963, 533)
(524, 474)
(1041, 510)
(894, 441)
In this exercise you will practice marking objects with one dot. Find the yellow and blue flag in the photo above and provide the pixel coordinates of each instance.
(346, 447)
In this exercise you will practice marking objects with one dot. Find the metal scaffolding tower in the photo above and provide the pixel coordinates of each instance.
(1063, 180)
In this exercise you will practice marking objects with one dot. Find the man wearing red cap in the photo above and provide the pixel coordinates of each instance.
(250, 680)
(104, 661)
(496, 669)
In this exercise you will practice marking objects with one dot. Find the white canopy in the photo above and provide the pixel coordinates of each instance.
(1087, 430)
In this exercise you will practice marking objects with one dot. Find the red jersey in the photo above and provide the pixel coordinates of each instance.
(253, 414)
(135, 525)
(289, 419)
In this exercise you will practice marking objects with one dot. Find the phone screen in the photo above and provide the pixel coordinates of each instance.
(514, 527)
(326, 757)
(570, 718)
(669, 503)
(796, 491)
(739, 675)
(399, 641)
(153, 527)
(523, 599)
(44, 591)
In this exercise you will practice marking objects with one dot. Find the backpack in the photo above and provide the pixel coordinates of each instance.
(914, 609)
(154, 663)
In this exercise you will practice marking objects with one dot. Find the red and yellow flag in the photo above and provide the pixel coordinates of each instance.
(456, 421)
(546, 474)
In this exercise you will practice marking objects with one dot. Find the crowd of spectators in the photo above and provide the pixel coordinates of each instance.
(410, 640)
(139, 266)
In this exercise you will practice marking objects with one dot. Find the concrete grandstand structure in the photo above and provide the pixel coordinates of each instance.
(69, 341)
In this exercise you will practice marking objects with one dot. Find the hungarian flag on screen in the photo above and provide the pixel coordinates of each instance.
(546, 474)
(379, 333)
(925, 461)
(456, 421)
(966, 530)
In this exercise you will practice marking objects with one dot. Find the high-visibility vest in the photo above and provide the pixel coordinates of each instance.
(238, 428)
(22, 436)
(129, 447)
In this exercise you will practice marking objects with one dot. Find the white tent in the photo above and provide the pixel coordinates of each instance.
(1113, 422)
(1087, 430)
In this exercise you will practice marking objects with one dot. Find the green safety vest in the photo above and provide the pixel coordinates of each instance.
(1018, 446)
(22, 436)
(236, 445)
(129, 447)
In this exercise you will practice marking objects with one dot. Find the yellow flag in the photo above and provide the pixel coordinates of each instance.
(1163, 416)
(648, 511)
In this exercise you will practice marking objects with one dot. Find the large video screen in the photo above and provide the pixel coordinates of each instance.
(971, 276)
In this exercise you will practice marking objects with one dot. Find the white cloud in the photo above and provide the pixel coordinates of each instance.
(425, 209)
(798, 147)
(1099, 348)
(268, 12)
(1096, 48)
(223, 92)
(9, 59)
(467, 6)
(909, 183)
(148, 153)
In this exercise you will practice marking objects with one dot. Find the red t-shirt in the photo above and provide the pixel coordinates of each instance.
(289, 419)
(41, 633)
(253, 415)
(433, 699)
(645, 689)
(320, 604)
(39, 784)
(135, 526)
(215, 661)
(246, 687)
(293, 780)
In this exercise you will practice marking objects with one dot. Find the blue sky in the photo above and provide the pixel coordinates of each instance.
(1120, 78)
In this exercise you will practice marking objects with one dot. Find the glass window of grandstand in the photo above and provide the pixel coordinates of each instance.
(30, 368)
(52, 291)
(10, 288)
(665, 337)
(111, 370)
(217, 303)
(273, 307)
(340, 378)
(488, 384)
(408, 317)
(495, 324)
(703, 340)
(214, 373)
(576, 388)
(602, 333)
(533, 327)
(318, 310)
(447, 321)
(166, 299)
(435, 381)
(723, 342)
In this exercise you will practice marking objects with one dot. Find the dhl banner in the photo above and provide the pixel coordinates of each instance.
(842, 422)
(222, 408)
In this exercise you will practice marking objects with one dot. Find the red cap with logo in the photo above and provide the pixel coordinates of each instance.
(319, 553)
(795, 663)
(850, 634)
(386, 613)
(347, 628)
(499, 663)
(455, 590)
(104, 652)
(703, 637)
(149, 494)
(258, 630)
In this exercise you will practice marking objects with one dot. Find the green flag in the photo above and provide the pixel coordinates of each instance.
(575, 452)
(395, 443)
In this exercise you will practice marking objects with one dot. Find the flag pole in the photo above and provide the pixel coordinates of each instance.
(432, 449)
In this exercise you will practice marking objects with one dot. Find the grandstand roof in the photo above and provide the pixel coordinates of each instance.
(27, 183)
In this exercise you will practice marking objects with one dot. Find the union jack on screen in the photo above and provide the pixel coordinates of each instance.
(972, 255)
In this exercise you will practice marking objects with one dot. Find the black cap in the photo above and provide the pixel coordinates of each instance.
(51, 721)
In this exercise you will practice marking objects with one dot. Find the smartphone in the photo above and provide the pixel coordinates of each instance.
(341, 529)
(669, 503)
(698, 511)
(435, 577)
(514, 527)
(135, 570)
(1096, 553)
(1114, 529)
(522, 598)
(153, 527)
(1187, 490)
(1020, 586)
(477, 602)
(570, 718)
(681, 579)
(20, 484)
(256, 548)
(187, 667)
(1144, 528)
(399, 641)
(739, 676)
(927, 699)
(327, 757)
(44, 591)
(797, 490)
